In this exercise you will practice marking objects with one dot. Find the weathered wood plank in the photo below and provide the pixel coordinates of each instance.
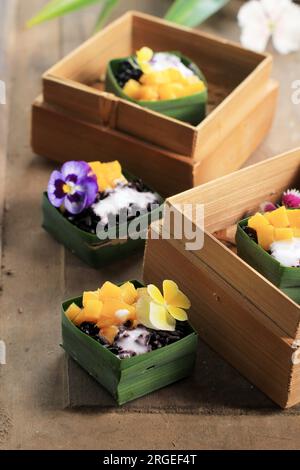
(31, 383)
(7, 37)
(32, 264)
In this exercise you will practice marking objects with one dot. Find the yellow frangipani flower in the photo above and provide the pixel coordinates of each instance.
(172, 299)
(160, 311)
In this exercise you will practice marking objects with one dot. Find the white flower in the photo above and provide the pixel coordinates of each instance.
(262, 19)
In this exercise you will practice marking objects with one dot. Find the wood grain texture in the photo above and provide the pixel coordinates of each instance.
(61, 136)
(224, 317)
(226, 201)
(31, 391)
(240, 76)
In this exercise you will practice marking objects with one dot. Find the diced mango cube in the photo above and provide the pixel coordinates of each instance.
(90, 313)
(279, 218)
(257, 221)
(294, 217)
(166, 92)
(110, 290)
(296, 232)
(108, 174)
(103, 184)
(155, 78)
(87, 296)
(192, 80)
(109, 333)
(171, 91)
(144, 54)
(129, 293)
(283, 234)
(265, 236)
(73, 311)
(198, 87)
(113, 172)
(178, 89)
(267, 216)
(115, 312)
(112, 307)
(149, 93)
(175, 75)
(97, 168)
(132, 88)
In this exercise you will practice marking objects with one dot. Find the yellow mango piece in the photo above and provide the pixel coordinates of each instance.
(265, 236)
(155, 78)
(73, 311)
(109, 290)
(145, 67)
(87, 296)
(267, 216)
(149, 93)
(257, 221)
(175, 75)
(194, 88)
(294, 217)
(178, 89)
(144, 54)
(115, 312)
(113, 172)
(132, 89)
(96, 167)
(296, 232)
(129, 293)
(192, 80)
(166, 92)
(109, 333)
(103, 183)
(90, 313)
(171, 91)
(283, 234)
(279, 218)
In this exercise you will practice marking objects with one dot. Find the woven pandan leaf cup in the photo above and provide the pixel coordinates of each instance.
(191, 109)
(285, 278)
(128, 379)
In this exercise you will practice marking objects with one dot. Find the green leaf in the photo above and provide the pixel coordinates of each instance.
(108, 7)
(57, 8)
(193, 12)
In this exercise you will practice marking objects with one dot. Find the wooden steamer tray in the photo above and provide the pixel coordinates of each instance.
(237, 311)
(75, 119)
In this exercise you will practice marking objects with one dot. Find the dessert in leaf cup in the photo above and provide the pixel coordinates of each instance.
(131, 324)
(166, 82)
(89, 207)
(270, 242)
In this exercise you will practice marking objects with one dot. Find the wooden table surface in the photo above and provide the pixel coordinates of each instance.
(37, 273)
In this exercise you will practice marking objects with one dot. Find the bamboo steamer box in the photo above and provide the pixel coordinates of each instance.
(75, 118)
(237, 311)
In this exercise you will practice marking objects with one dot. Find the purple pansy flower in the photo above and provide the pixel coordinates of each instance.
(291, 199)
(74, 186)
